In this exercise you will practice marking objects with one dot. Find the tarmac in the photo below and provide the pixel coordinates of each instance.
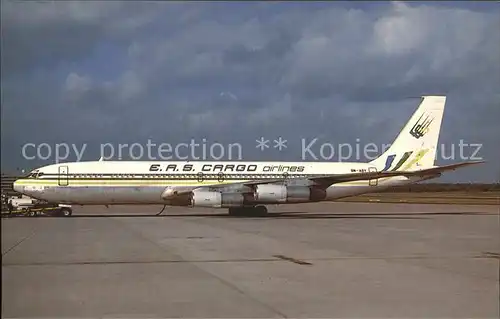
(325, 260)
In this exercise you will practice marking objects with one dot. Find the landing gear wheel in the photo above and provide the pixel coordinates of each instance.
(65, 212)
(237, 211)
(248, 211)
(261, 210)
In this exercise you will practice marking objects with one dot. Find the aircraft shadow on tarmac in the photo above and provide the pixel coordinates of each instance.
(294, 215)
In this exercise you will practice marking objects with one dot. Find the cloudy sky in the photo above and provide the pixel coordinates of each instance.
(124, 72)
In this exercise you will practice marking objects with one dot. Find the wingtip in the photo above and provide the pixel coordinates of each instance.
(477, 162)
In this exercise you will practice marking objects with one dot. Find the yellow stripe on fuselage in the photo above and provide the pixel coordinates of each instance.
(146, 182)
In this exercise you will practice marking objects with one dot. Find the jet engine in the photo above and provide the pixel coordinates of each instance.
(218, 200)
(271, 193)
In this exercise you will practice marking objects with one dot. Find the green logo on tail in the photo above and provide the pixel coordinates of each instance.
(421, 127)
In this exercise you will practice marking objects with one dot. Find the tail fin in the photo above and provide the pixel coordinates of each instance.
(416, 145)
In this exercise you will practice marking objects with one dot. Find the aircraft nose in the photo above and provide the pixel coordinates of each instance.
(17, 187)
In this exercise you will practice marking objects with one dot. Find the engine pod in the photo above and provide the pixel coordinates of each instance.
(270, 193)
(218, 200)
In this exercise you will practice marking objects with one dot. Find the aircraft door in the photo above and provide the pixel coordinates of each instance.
(372, 182)
(63, 177)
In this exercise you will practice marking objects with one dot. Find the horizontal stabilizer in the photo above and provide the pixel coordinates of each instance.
(440, 169)
(333, 179)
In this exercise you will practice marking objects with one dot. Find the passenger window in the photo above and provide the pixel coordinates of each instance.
(220, 177)
(200, 177)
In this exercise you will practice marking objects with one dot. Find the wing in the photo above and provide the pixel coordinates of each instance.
(329, 179)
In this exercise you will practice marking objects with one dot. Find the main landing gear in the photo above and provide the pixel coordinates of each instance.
(248, 211)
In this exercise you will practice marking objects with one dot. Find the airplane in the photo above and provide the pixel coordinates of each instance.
(245, 188)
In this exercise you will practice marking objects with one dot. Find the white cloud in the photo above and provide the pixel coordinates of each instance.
(401, 31)
(129, 86)
(404, 45)
(77, 84)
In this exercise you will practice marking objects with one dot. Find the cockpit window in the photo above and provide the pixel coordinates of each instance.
(34, 175)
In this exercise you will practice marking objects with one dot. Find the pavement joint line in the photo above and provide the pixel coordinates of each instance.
(18, 243)
(117, 262)
(293, 260)
(488, 254)
(277, 258)
(221, 280)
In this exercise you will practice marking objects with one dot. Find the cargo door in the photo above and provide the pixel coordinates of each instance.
(373, 182)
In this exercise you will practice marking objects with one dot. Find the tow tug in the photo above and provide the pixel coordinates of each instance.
(35, 208)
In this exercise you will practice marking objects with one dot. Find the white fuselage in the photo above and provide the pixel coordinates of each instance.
(243, 184)
(144, 182)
